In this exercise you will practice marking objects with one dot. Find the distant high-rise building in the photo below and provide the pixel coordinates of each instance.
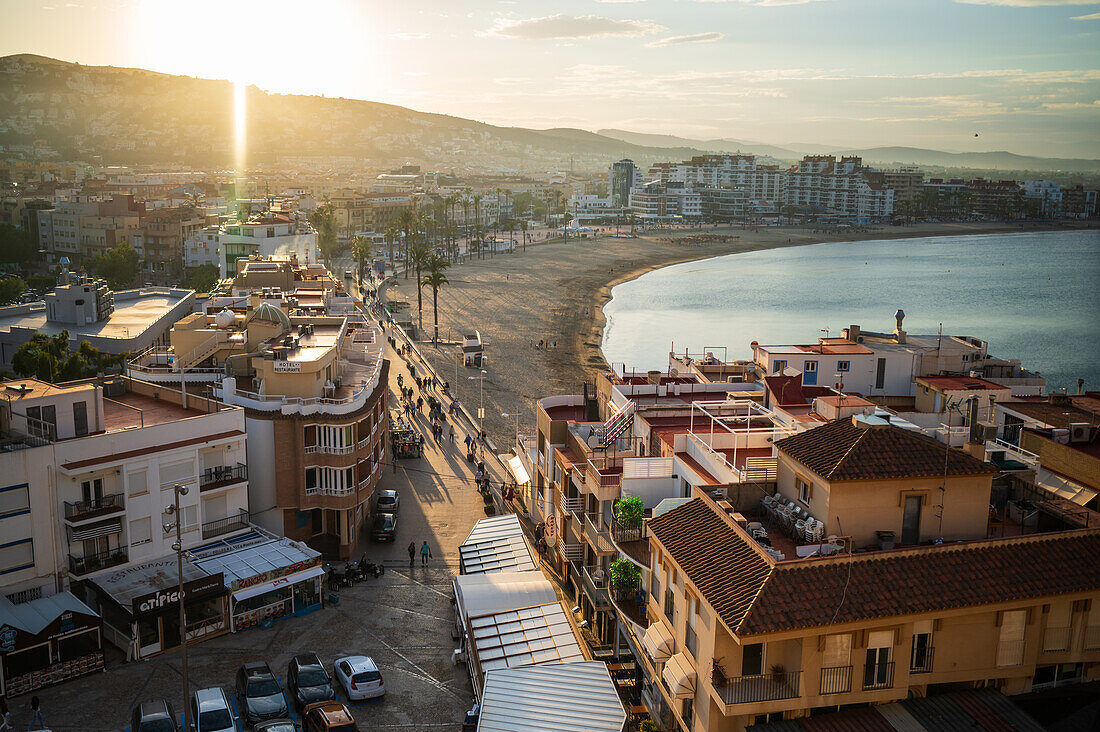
(624, 176)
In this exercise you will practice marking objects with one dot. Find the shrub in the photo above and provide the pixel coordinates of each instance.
(625, 575)
(629, 512)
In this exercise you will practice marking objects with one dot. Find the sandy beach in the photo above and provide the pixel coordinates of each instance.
(555, 293)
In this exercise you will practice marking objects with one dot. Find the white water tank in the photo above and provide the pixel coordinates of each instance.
(225, 319)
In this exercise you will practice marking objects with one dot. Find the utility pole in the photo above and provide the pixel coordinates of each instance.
(173, 509)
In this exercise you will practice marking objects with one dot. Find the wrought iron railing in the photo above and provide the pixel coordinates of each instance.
(1056, 639)
(99, 560)
(79, 510)
(836, 680)
(760, 687)
(221, 475)
(878, 675)
(920, 660)
(223, 526)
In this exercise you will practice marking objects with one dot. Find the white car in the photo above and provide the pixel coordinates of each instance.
(210, 712)
(360, 677)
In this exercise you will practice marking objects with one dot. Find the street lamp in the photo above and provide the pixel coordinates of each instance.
(173, 509)
(481, 398)
(514, 415)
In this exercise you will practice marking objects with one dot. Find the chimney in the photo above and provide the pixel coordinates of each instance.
(851, 333)
(899, 334)
(654, 377)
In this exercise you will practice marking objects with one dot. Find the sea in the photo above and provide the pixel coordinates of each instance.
(1032, 296)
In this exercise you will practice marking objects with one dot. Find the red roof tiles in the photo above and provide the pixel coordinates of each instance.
(841, 450)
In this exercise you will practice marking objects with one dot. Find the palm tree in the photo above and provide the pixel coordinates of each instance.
(523, 228)
(391, 236)
(434, 278)
(361, 249)
(419, 254)
(477, 218)
(407, 223)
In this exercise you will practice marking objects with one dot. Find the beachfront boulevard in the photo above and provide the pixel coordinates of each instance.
(403, 619)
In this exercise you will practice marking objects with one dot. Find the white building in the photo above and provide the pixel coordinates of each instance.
(1047, 194)
(269, 234)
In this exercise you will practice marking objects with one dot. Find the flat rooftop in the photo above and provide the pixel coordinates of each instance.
(131, 317)
(131, 410)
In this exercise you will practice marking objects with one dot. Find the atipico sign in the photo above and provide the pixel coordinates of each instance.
(288, 367)
(169, 596)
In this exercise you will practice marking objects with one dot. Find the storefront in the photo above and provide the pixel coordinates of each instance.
(46, 641)
(268, 579)
(140, 605)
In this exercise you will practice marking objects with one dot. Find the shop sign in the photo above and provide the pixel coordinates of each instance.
(8, 637)
(274, 574)
(161, 599)
(288, 367)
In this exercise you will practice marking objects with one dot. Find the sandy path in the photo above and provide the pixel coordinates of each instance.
(555, 292)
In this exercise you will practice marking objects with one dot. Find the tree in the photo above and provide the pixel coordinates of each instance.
(419, 254)
(523, 228)
(10, 289)
(435, 278)
(625, 576)
(361, 249)
(17, 245)
(407, 223)
(119, 266)
(48, 358)
(324, 221)
(629, 512)
(203, 278)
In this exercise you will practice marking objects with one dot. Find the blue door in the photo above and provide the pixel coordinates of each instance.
(809, 374)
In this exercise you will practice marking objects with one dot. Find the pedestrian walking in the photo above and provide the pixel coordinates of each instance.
(5, 715)
(451, 433)
(412, 553)
(37, 721)
(425, 554)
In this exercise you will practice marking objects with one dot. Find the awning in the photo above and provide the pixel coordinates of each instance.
(679, 677)
(518, 471)
(98, 529)
(658, 642)
(290, 579)
(1064, 487)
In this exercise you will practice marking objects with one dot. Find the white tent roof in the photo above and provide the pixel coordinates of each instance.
(478, 594)
(515, 465)
(679, 677)
(658, 642)
(496, 544)
(1064, 487)
(573, 697)
(524, 637)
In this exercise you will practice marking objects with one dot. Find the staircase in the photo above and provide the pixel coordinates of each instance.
(616, 425)
(200, 353)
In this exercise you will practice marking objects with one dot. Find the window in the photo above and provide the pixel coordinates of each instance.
(920, 656)
(80, 418)
(842, 366)
(91, 492)
(1010, 646)
(878, 670)
(15, 500)
(811, 367)
(140, 532)
(805, 491)
(16, 555)
(779, 364)
(137, 482)
(311, 479)
(880, 374)
(687, 711)
(42, 421)
(691, 640)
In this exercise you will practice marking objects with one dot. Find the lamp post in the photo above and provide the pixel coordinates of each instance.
(481, 399)
(514, 415)
(173, 509)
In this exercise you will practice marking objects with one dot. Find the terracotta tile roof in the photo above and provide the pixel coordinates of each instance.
(728, 570)
(841, 450)
(1058, 416)
(755, 595)
(807, 594)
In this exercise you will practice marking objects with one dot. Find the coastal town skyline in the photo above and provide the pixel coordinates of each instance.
(1009, 75)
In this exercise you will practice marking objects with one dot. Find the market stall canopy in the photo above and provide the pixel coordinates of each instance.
(479, 594)
(496, 544)
(251, 567)
(572, 697)
(658, 642)
(515, 466)
(32, 617)
(679, 677)
(1064, 487)
(525, 636)
(155, 582)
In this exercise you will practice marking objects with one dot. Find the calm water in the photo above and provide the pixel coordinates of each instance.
(1035, 297)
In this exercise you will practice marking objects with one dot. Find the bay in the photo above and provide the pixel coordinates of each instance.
(1032, 296)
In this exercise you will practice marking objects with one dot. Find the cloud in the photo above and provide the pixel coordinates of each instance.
(1027, 3)
(762, 3)
(565, 27)
(410, 36)
(710, 37)
(1090, 16)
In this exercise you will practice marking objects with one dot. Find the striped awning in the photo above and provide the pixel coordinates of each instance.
(98, 529)
(658, 642)
(679, 676)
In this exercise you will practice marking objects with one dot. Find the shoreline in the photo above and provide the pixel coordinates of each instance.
(556, 291)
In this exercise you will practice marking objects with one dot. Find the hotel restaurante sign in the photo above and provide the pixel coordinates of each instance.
(288, 367)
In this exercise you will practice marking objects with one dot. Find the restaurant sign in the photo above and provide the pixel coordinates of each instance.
(274, 574)
(288, 367)
(155, 602)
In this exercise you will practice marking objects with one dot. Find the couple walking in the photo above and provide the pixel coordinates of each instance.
(425, 553)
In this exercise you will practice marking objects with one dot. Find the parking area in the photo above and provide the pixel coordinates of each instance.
(402, 620)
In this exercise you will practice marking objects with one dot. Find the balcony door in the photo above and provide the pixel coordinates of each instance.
(752, 659)
(876, 670)
(910, 521)
(92, 491)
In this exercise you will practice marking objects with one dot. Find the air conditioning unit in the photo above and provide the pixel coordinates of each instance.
(988, 431)
(1079, 432)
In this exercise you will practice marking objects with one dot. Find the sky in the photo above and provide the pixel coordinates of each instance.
(1024, 75)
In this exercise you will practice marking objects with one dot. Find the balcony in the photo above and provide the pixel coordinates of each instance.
(920, 660)
(1056, 639)
(571, 505)
(1010, 653)
(760, 688)
(633, 607)
(1092, 638)
(598, 535)
(100, 560)
(225, 526)
(331, 450)
(632, 541)
(836, 680)
(595, 586)
(221, 476)
(878, 675)
(570, 552)
(77, 511)
(603, 477)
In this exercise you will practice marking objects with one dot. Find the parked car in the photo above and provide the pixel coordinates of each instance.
(385, 527)
(307, 681)
(360, 677)
(154, 716)
(259, 693)
(328, 716)
(388, 502)
(277, 725)
(210, 711)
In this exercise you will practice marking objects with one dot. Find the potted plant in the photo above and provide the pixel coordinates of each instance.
(625, 576)
(629, 512)
(490, 509)
(778, 673)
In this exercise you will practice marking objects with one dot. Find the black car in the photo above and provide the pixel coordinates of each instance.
(277, 725)
(385, 527)
(307, 681)
(259, 693)
(154, 716)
